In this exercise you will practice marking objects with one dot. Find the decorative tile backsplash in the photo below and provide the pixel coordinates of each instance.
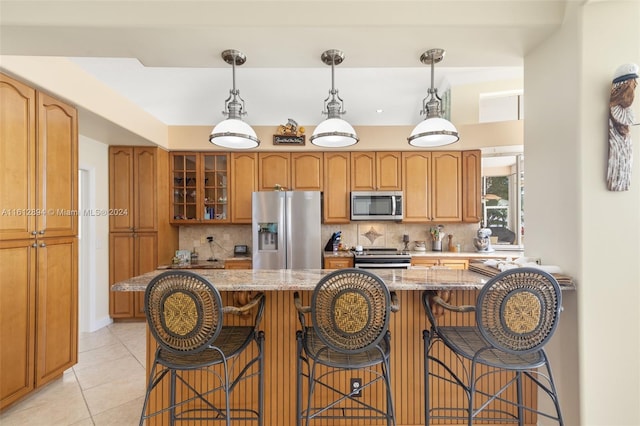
(366, 234)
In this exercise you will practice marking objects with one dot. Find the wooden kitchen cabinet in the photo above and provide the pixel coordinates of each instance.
(39, 163)
(132, 189)
(243, 182)
(130, 254)
(338, 262)
(140, 235)
(274, 168)
(337, 186)
(376, 171)
(38, 313)
(448, 262)
(38, 243)
(432, 186)
(199, 188)
(236, 263)
(472, 186)
(307, 171)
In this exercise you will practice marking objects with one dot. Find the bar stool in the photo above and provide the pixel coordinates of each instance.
(185, 316)
(349, 314)
(516, 314)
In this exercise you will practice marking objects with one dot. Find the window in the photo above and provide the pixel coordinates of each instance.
(503, 198)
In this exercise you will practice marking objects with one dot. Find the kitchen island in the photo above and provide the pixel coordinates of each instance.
(280, 324)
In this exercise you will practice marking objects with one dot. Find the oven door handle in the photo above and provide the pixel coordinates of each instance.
(383, 265)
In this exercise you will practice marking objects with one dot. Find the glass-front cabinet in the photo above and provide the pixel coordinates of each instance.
(199, 188)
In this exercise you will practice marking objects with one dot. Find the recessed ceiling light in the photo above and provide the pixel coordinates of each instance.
(379, 111)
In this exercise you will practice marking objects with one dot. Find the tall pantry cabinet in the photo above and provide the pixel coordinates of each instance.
(38, 239)
(140, 236)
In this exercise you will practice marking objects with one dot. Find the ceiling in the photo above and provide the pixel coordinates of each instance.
(165, 55)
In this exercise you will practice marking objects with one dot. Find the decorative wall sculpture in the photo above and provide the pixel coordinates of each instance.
(620, 118)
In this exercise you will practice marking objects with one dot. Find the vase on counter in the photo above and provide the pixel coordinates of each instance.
(436, 245)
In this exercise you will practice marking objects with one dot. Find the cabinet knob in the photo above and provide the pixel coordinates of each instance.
(34, 233)
(34, 245)
(41, 232)
(43, 245)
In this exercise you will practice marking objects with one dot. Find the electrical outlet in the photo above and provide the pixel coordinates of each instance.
(356, 387)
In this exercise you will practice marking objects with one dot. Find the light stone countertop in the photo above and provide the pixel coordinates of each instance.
(306, 279)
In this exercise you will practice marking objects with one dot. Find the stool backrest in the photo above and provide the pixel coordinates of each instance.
(184, 311)
(350, 310)
(517, 311)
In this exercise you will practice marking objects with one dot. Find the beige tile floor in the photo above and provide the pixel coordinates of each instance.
(106, 387)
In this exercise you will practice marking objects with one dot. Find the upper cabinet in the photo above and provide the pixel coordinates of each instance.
(133, 189)
(446, 186)
(432, 185)
(243, 182)
(274, 170)
(307, 171)
(39, 163)
(199, 188)
(471, 186)
(337, 187)
(376, 171)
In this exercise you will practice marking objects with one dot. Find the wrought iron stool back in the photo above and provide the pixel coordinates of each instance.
(184, 313)
(349, 311)
(516, 313)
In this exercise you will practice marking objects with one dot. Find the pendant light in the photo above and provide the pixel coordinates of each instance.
(333, 132)
(233, 132)
(434, 130)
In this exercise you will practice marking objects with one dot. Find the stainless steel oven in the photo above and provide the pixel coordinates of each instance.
(382, 258)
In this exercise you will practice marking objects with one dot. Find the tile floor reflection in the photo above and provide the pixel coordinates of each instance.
(106, 387)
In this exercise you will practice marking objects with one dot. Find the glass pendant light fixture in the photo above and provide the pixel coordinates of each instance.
(434, 130)
(333, 132)
(233, 132)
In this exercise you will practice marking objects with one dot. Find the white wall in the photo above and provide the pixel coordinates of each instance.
(573, 221)
(94, 158)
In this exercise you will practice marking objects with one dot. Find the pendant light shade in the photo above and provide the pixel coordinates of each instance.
(333, 132)
(434, 130)
(233, 132)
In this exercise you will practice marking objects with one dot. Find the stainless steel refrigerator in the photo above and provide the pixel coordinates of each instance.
(286, 230)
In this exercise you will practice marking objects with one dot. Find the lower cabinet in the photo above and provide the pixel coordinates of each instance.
(338, 262)
(428, 261)
(237, 264)
(38, 313)
(131, 254)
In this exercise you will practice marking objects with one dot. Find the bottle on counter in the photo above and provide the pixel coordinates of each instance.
(194, 256)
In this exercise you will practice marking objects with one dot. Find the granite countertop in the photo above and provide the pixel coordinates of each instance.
(201, 264)
(306, 279)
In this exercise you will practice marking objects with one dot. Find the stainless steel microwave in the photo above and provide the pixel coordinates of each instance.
(376, 205)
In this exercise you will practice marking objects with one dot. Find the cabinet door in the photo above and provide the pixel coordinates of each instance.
(471, 186)
(388, 171)
(336, 197)
(424, 262)
(57, 307)
(184, 192)
(121, 188)
(214, 200)
(237, 264)
(338, 262)
(416, 180)
(17, 159)
(146, 260)
(145, 179)
(17, 319)
(274, 169)
(243, 181)
(446, 187)
(363, 171)
(121, 267)
(57, 181)
(306, 171)
(454, 263)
